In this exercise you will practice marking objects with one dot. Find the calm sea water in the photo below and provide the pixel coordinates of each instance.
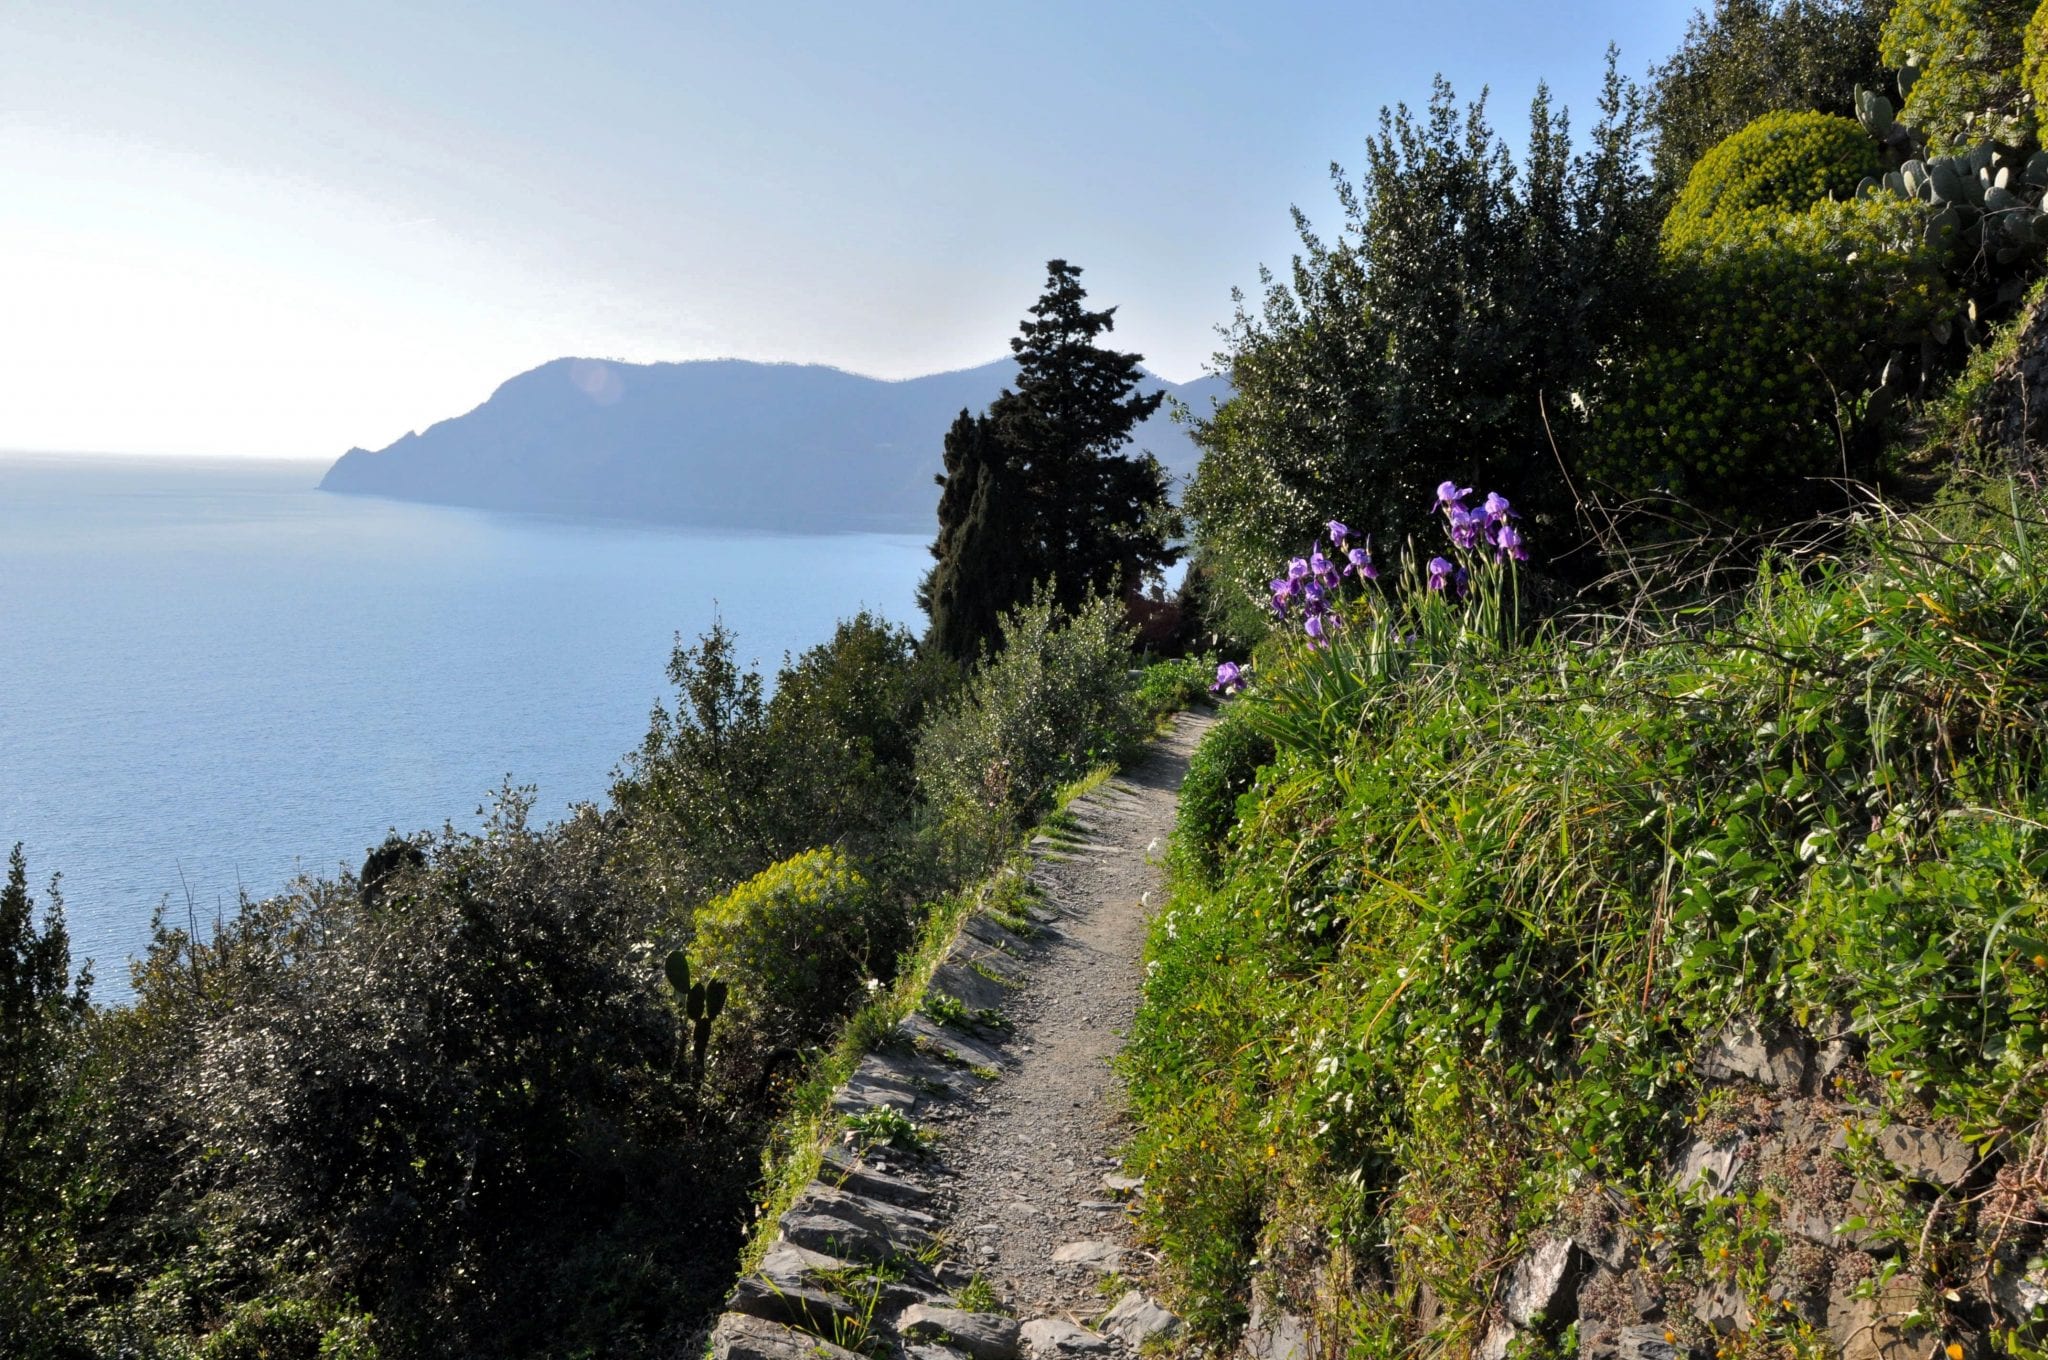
(213, 677)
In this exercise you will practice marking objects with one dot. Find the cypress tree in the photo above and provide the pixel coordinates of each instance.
(1038, 488)
(980, 568)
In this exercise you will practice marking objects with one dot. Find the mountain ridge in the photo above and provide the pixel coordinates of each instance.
(727, 443)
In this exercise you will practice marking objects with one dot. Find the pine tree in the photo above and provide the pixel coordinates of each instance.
(1038, 489)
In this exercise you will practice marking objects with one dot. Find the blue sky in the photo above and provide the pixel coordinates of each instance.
(246, 228)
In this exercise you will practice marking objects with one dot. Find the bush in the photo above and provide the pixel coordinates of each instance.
(1170, 686)
(1457, 976)
(290, 1329)
(1464, 292)
(1222, 770)
(2034, 63)
(1053, 704)
(797, 944)
(1777, 325)
(1781, 163)
(460, 1106)
(1752, 57)
(1969, 58)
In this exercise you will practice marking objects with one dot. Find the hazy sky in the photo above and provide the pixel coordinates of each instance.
(250, 228)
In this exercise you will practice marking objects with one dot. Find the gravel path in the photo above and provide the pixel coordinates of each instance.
(1033, 1157)
(892, 1249)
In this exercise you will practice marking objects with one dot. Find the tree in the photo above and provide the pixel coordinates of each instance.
(1443, 334)
(42, 1014)
(1753, 57)
(1037, 488)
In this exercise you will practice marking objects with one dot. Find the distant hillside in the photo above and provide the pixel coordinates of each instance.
(721, 442)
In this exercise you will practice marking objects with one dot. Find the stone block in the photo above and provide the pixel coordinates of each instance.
(982, 1336)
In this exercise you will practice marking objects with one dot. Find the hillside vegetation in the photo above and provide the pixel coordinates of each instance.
(1615, 924)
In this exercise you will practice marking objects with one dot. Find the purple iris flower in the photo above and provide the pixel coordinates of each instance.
(1450, 493)
(1510, 543)
(1465, 527)
(1338, 533)
(1497, 508)
(1440, 570)
(1361, 565)
(1318, 627)
(1318, 565)
(1297, 569)
(1229, 679)
(1317, 595)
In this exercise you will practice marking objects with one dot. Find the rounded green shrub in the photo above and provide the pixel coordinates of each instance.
(1965, 58)
(1752, 389)
(1223, 768)
(1782, 162)
(797, 943)
(2034, 60)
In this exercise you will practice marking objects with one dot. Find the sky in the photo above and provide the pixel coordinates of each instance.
(264, 228)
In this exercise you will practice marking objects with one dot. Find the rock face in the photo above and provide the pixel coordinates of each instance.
(722, 442)
(1805, 1190)
(1545, 1284)
(2012, 416)
(1274, 1333)
(1744, 1052)
(1928, 1155)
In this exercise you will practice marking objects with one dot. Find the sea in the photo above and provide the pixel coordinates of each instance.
(215, 678)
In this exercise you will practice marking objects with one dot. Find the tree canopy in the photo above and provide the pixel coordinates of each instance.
(1037, 488)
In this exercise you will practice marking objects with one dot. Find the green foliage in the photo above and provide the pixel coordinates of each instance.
(459, 1106)
(888, 1126)
(1782, 163)
(1464, 298)
(1172, 686)
(1037, 490)
(729, 783)
(2034, 60)
(44, 1189)
(290, 1329)
(1220, 772)
(1966, 84)
(1777, 324)
(1752, 57)
(1055, 702)
(800, 941)
(1455, 966)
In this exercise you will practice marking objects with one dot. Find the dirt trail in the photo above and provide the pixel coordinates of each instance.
(1035, 1150)
(1016, 1204)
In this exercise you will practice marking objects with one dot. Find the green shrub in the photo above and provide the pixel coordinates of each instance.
(1222, 770)
(1968, 56)
(1741, 61)
(2034, 60)
(1456, 975)
(290, 1329)
(797, 944)
(1783, 162)
(1056, 702)
(1754, 388)
(1170, 686)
